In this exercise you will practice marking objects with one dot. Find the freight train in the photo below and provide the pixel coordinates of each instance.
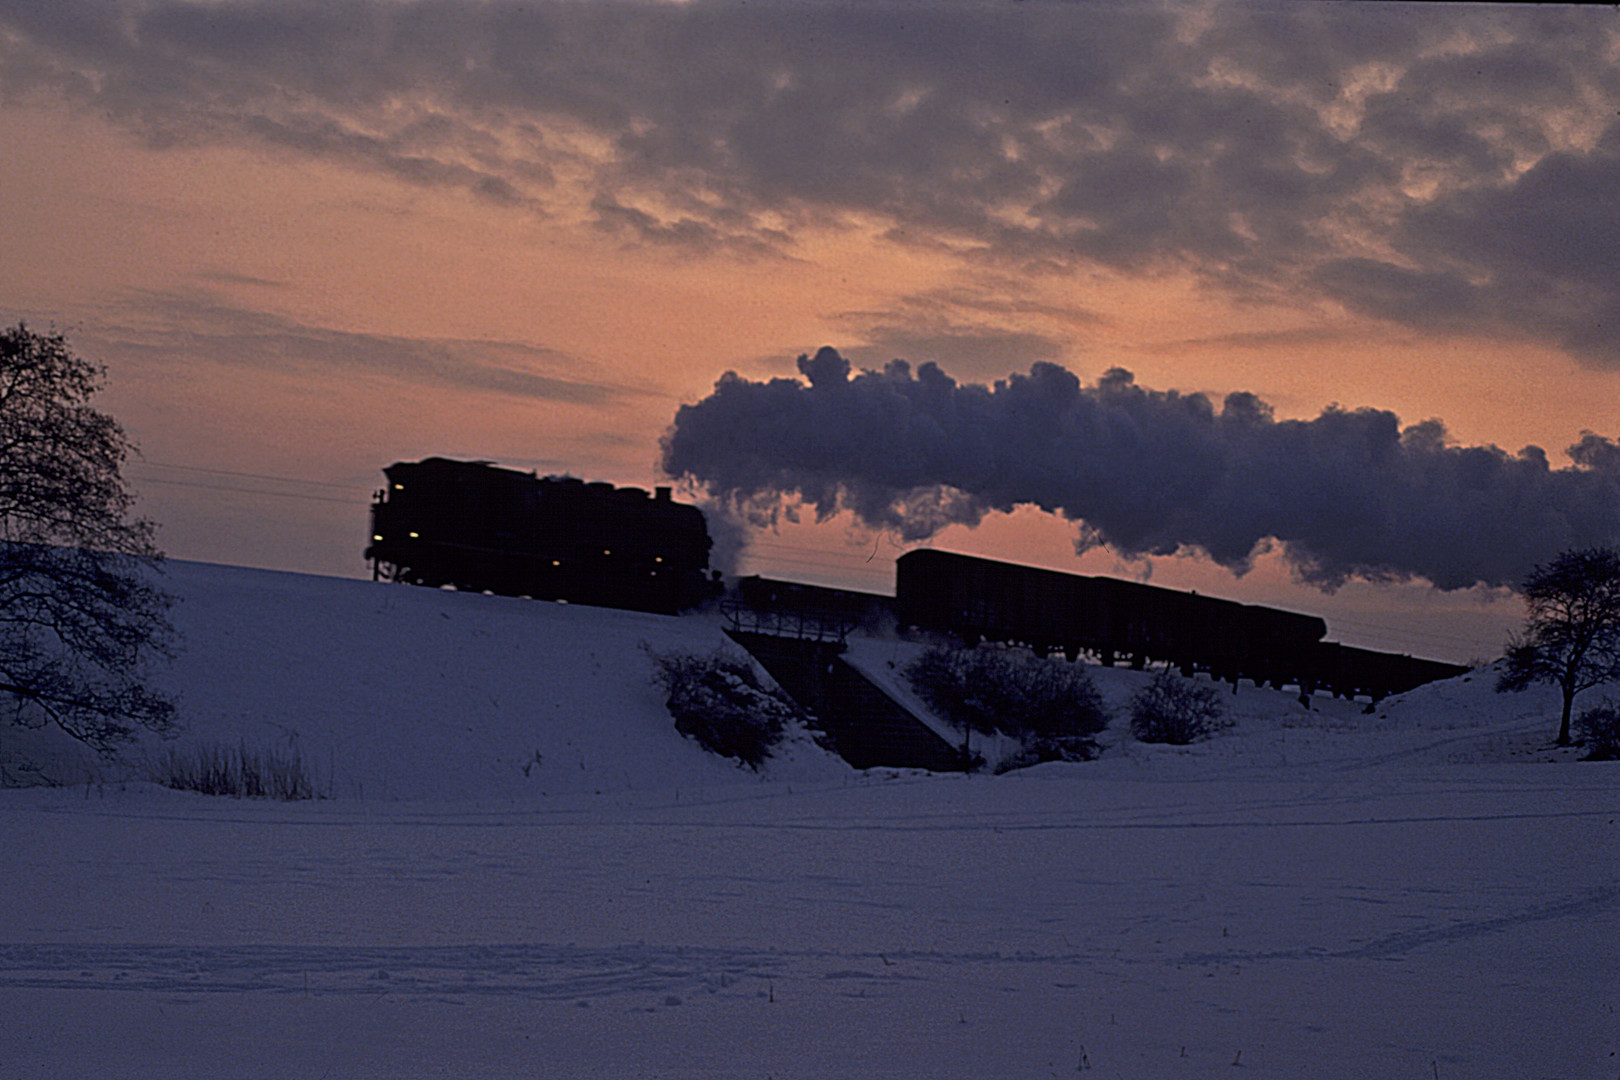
(473, 526)
(476, 527)
(1112, 621)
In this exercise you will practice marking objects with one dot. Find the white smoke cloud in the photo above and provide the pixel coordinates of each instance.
(1349, 494)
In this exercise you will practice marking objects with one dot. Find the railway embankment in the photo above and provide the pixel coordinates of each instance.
(862, 724)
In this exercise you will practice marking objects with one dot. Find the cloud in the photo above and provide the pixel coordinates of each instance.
(1443, 169)
(1542, 253)
(230, 278)
(1349, 494)
(1258, 339)
(980, 328)
(977, 350)
(199, 325)
(1427, 299)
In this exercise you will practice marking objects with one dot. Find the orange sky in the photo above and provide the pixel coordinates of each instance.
(281, 321)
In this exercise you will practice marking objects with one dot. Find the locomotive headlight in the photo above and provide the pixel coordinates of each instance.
(416, 536)
(376, 536)
(399, 487)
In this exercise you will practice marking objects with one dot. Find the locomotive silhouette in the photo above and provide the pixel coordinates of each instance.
(480, 528)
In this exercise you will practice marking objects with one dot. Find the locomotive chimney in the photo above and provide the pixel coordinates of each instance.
(661, 494)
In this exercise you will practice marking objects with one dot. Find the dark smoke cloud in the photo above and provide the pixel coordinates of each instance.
(1349, 494)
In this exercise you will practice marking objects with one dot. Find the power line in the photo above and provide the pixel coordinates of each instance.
(246, 475)
(1404, 631)
(206, 472)
(250, 491)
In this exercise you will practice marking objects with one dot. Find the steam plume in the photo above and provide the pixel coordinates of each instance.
(1350, 494)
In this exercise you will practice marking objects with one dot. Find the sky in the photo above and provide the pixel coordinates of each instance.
(1263, 300)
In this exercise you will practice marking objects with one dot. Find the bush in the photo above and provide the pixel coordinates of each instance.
(1598, 729)
(240, 773)
(1176, 710)
(1052, 706)
(720, 702)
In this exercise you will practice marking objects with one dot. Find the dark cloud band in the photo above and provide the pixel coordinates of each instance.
(205, 327)
(1446, 167)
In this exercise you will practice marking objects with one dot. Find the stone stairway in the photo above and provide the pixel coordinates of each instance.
(863, 725)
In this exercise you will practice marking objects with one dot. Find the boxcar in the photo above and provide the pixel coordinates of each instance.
(978, 599)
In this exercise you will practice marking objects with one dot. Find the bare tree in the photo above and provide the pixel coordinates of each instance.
(1173, 709)
(1572, 635)
(79, 614)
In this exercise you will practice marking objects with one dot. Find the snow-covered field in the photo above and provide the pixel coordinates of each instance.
(522, 870)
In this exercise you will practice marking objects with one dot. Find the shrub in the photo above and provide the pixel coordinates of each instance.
(1598, 729)
(240, 773)
(720, 702)
(1052, 706)
(1173, 709)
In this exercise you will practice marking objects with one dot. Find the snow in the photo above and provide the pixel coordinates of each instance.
(523, 870)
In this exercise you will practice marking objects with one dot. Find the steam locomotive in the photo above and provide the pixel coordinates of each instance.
(474, 526)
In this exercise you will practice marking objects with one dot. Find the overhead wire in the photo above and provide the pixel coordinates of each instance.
(137, 467)
(249, 491)
(246, 475)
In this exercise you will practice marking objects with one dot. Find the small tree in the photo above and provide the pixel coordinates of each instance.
(1598, 729)
(1572, 635)
(720, 702)
(1054, 707)
(1175, 710)
(78, 612)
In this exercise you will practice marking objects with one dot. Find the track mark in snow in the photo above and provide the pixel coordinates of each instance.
(1068, 825)
(1422, 749)
(539, 971)
(447, 973)
(1592, 903)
